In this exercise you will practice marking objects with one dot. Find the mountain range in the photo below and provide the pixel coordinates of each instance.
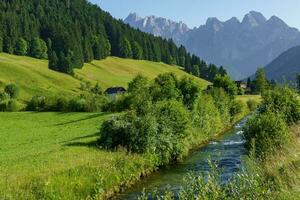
(240, 46)
(285, 67)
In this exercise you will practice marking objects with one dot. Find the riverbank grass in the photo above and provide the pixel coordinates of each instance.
(53, 155)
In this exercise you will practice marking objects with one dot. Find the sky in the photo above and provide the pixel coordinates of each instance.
(195, 12)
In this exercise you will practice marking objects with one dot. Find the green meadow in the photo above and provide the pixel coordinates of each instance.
(33, 76)
(54, 155)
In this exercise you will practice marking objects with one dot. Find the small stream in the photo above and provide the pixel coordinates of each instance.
(226, 151)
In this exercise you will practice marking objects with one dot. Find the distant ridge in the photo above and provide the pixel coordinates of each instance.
(240, 46)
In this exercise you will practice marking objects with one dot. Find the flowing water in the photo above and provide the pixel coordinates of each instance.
(226, 151)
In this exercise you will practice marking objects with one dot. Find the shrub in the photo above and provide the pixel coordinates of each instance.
(12, 90)
(189, 91)
(37, 103)
(8, 105)
(265, 133)
(227, 84)
(165, 87)
(252, 104)
(223, 103)
(206, 116)
(130, 131)
(237, 107)
(282, 100)
(77, 105)
(161, 132)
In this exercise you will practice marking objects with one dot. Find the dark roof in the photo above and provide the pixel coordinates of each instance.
(115, 90)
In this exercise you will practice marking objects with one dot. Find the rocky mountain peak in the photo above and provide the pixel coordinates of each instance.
(253, 19)
(214, 23)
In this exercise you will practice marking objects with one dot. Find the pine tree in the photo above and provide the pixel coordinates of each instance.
(1, 44)
(38, 48)
(53, 61)
(21, 47)
(137, 51)
(125, 48)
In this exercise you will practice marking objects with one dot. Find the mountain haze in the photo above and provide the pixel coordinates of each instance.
(240, 46)
(285, 67)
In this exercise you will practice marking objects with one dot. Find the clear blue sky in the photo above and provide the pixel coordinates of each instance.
(195, 12)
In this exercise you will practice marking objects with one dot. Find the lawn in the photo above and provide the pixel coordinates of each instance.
(54, 155)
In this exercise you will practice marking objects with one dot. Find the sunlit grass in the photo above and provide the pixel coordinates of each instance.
(54, 155)
(33, 76)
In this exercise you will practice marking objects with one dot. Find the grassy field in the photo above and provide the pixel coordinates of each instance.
(53, 155)
(33, 76)
(245, 98)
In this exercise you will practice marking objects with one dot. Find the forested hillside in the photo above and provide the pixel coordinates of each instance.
(71, 33)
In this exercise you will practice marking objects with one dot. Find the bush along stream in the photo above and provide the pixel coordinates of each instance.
(164, 119)
(270, 139)
(225, 153)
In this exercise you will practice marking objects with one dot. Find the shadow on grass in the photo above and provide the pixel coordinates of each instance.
(92, 144)
(82, 119)
(82, 137)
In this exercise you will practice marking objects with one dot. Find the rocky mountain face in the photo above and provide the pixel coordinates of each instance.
(159, 27)
(240, 46)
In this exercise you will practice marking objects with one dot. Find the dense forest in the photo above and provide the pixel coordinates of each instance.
(71, 33)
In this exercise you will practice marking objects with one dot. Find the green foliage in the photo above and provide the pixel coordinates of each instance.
(12, 90)
(210, 187)
(82, 103)
(125, 48)
(226, 83)
(189, 90)
(237, 108)
(265, 134)
(38, 48)
(21, 47)
(139, 97)
(1, 44)
(166, 87)
(137, 51)
(223, 103)
(160, 132)
(261, 83)
(80, 32)
(252, 104)
(206, 116)
(282, 100)
(298, 82)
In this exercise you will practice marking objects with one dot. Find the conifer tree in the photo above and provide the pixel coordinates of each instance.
(125, 48)
(21, 47)
(137, 51)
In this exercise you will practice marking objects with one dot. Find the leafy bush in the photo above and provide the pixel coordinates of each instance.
(130, 131)
(189, 91)
(9, 105)
(227, 84)
(12, 90)
(252, 104)
(282, 100)
(237, 107)
(206, 116)
(160, 132)
(165, 87)
(223, 103)
(265, 133)
(37, 103)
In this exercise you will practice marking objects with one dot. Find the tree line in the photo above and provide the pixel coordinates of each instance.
(71, 33)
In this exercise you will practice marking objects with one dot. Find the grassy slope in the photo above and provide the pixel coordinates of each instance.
(34, 77)
(47, 154)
